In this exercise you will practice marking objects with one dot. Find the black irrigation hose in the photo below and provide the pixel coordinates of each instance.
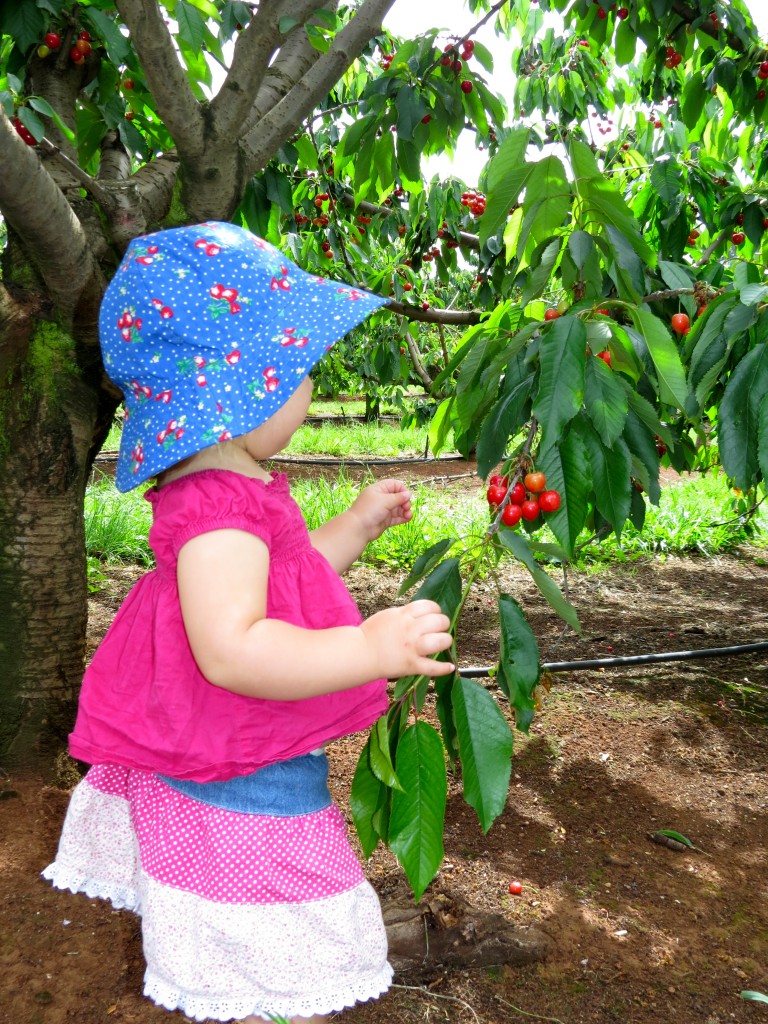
(287, 459)
(633, 659)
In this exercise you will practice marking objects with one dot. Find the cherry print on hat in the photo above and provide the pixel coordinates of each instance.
(208, 330)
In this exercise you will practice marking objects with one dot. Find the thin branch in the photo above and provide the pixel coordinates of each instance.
(99, 193)
(265, 137)
(418, 366)
(176, 104)
(438, 995)
(718, 240)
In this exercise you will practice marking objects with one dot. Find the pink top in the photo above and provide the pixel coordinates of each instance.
(144, 702)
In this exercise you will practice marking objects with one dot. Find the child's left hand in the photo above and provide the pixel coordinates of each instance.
(381, 505)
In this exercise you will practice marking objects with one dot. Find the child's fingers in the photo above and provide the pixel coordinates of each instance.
(424, 606)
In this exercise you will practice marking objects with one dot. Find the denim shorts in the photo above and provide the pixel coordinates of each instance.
(285, 789)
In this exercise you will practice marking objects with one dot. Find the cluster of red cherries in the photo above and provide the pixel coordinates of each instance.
(527, 500)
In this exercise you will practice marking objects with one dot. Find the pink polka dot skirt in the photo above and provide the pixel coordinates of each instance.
(241, 913)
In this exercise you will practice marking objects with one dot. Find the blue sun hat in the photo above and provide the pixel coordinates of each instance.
(208, 330)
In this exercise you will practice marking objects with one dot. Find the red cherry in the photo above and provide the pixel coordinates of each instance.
(551, 314)
(499, 481)
(601, 12)
(83, 47)
(466, 87)
(495, 494)
(426, 119)
(605, 355)
(761, 94)
(469, 45)
(84, 35)
(517, 497)
(529, 509)
(511, 515)
(549, 501)
(128, 83)
(535, 482)
(680, 323)
(75, 56)
(738, 237)
(52, 40)
(515, 888)
(622, 13)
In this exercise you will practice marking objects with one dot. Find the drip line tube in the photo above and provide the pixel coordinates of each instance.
(297, 461)
(634, 659)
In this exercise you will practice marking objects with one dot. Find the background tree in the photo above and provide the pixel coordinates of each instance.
(593, 307)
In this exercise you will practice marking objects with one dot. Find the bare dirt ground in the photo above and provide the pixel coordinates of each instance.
(637, 932)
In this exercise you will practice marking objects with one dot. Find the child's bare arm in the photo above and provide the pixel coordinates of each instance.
(342, 539)
(222, 578)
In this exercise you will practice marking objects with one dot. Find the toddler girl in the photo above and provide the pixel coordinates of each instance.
(230, 665)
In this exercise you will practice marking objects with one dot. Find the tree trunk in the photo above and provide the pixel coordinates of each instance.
(49, 412)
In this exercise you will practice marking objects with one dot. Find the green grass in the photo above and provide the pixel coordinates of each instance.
(358, 440)
(695, 517)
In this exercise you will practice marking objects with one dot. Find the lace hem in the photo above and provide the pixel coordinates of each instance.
(120, 896)
(200, 1008)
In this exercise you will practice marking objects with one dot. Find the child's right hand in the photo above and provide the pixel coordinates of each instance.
(402, 639)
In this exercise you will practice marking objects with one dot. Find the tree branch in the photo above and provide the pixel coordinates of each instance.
(176, 104)
(39, 214)
(418, 366)
(277, 126)
(253, 50)
(449, 317)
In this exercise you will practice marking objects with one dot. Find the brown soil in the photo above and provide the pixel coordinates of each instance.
(638, 932)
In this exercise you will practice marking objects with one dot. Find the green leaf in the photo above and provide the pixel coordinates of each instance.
(351, 140)
(666, 176)
(286, 23)
(443, 585)
(191, 25)
(642, 444)
(611, 469)
(762, 439)
(108, 30)
(677, 836)
(738, 416)
(425, 563)
(561, 384)
(672, 385)
(567, 471)
(581, 246)
(24, 22)
(485, 747)
(410, 111)
(365, 799)
(507, 415)
(507, 175)
(379, 756)
(751, 294)
(515, 543)
(418, 812)
(518, 655)
(604, 401)
(755, 997)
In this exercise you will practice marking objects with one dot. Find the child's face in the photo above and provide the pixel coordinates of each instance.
(273, 435)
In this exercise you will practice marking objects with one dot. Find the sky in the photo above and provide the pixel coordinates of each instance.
(407, 18)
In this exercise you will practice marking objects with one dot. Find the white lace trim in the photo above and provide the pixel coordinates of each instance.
(201, 1008)
(121, 897)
